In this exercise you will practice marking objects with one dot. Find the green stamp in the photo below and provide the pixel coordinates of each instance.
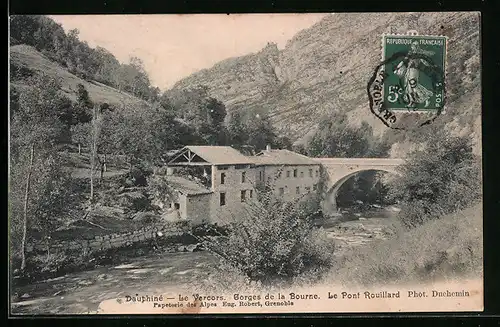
(414, 69)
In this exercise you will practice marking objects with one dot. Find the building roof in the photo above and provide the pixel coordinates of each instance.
(282, 157)
(218, 155)
(186, 186)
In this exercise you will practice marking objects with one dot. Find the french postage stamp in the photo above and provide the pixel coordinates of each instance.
(415, 80)
(410, 79)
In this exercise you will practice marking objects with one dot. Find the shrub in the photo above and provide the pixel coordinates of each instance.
(440, 179)
(441, 249)
(139, 174)
(273, 241)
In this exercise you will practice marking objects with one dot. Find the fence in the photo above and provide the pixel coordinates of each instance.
(116, 240)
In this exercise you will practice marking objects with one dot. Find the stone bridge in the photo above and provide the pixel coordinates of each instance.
(339, 170)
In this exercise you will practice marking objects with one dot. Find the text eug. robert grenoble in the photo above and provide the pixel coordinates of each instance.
(278, 299)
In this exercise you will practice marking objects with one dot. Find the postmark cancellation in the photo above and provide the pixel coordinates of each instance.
(409, 79)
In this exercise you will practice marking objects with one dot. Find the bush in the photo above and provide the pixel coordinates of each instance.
(273, 242)
(446, 248)
(209, 230)
(135, 201)
(440, 179)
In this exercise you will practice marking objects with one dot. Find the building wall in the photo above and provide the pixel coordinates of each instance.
(171, 213)
(288, 182)
(207, 207)
(183, 206)
(232, 188)
(198, 208)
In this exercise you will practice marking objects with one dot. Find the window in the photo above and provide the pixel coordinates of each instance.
(222, 199)
(177, 206)
(310, 173)
(308, 189)
(297, 190)
(222, 167)
(317, 173)
(287, 173)
(315, 187)
(243, 177)
(222, 178)
(282, 191)
(243, 195)
(251, 194)
(301, 174)
(295, 173)
(261, 177)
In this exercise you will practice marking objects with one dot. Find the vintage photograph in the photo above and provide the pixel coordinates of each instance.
(245, 163)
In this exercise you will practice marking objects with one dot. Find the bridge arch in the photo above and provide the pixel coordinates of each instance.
(336, 171)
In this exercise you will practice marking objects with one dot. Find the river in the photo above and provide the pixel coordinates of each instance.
(82, 292)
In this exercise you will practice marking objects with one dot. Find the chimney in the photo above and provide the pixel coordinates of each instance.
(268, 147)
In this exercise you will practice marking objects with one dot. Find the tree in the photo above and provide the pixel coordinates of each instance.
(78, 116)
(108, 66)
(336, 138)
(95, 131)
(260, 131)
(440, 179)
(80, 135)
(236, 129)
(284, 142)
(274, 241)
(35, 165)
(210, 122)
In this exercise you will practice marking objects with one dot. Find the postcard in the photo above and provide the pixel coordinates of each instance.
(245, 163)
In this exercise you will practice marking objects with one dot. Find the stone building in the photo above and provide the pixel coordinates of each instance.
(214, 183)
(288, 173)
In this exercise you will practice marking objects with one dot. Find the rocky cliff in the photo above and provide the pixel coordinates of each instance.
(327, 67)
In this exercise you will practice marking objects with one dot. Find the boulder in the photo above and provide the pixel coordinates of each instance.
(194, 247)
(107, 211)
(134, 200)
(146, 216)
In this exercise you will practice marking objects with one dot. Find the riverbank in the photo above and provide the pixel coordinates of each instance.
(443, 249)
(156, 272)
(369, 251)
(81, 293)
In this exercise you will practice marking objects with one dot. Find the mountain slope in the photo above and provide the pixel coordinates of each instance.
(327, 67)
(31, 61)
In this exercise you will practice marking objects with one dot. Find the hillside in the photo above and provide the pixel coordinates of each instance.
(320, 71)
(31, 61)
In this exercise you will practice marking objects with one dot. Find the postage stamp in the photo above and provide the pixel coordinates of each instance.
(414, 80)
(407, 89)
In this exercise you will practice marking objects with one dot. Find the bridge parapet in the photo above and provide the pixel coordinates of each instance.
(360, 161)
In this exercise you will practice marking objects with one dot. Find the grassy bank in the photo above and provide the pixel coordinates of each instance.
(443, 249)
(440, 250)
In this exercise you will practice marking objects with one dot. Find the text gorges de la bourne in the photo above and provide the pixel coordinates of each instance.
(280, 299)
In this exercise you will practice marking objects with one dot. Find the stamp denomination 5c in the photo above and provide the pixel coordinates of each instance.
(414, 80)
(410, 79)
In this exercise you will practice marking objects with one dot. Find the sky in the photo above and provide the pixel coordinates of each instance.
(175, 46)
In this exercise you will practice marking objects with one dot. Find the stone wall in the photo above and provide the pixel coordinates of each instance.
(116, 240)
